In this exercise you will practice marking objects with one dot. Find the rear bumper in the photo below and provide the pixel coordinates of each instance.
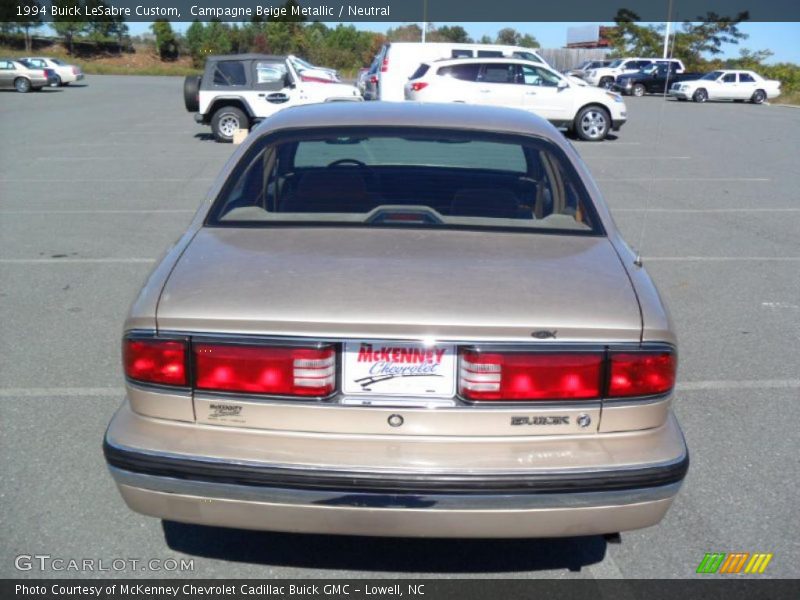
(613, 495)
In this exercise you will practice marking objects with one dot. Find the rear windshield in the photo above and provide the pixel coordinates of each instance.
(409, 178)
(420, 72)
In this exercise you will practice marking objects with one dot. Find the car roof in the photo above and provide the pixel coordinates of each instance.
(412, 114)
(249, 56)
(487, 59)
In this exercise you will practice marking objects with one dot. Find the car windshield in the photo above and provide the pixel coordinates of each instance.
(406, 177)
(615, 64)
(712, 76)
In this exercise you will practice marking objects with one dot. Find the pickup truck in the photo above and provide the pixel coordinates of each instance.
(652, 80)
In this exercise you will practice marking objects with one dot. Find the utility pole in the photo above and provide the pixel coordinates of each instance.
(666, 32)
(424, 19)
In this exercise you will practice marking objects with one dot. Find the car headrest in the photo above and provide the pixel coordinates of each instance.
(476, 202)
(330, 190)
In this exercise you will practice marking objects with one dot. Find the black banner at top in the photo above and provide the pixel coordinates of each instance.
(437, 11)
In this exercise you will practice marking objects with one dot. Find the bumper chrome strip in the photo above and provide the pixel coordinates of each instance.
(429, 501)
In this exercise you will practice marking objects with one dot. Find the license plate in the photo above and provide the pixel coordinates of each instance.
(399, 369)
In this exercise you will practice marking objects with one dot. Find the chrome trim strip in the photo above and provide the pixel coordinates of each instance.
(322, 498)
(382, 472)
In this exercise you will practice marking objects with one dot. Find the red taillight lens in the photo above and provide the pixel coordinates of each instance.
(155, 361)
(419, 85)
(529, 376)
(75, 70)
(385, 65)
(641, 373)
(373, 79)
(285, 371)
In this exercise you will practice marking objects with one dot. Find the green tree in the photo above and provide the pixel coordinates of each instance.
(69, 27)
(194, 38)
(24, 23)
(405, 33)
(485, 39)
(528, 41)
(508, 36)
(454, 33)
(166, 43)
(692, 42)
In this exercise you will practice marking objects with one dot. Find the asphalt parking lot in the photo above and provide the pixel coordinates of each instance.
(97, 180)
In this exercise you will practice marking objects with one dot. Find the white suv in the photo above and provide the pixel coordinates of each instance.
(605, 76)
(587, 111)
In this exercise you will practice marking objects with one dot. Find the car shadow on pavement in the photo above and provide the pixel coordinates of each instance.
(405, 555)
(204, 137)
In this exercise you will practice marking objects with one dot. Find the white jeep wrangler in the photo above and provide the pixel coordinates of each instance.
(238, 90)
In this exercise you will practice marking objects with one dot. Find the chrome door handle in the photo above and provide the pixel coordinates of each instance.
(485, 91)
(530, 93)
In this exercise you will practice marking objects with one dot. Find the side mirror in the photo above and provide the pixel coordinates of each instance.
(562, 84)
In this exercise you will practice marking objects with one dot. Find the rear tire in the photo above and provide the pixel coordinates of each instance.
(700, 95)
(759, 97)
(22, 85)
(226, 121)
(57, 82)
(638, 90)
(191, 93)
(592, 123)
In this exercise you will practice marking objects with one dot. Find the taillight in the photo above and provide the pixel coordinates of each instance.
(155, 361)
(75, 70)
(277, 370)
(418, 85)
(641, 373)
(385, 65)
(373, 79)
(529, 376)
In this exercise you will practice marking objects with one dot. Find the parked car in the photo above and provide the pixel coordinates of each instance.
(15, 75)
(398, 60)
(728, 85)
(371, 81)
(589, 112)
(65, 73)
(587, 65)
(309, 72)
(655, 79)
(401, 320)
(361, 79)
(605, 76)
(50, 74)
(238, 90)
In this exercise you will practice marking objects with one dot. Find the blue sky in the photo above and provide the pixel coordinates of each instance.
(782, 38)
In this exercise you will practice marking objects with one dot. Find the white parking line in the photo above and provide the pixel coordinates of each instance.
(80, 211)
(682, 179)
(116, 180)
(594, 156)
(116, 158)
(68, 260)
(721, 258)
(752, 384)
(707, 210)
(60, 392)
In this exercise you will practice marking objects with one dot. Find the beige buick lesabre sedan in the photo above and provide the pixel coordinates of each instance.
(401, 320)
